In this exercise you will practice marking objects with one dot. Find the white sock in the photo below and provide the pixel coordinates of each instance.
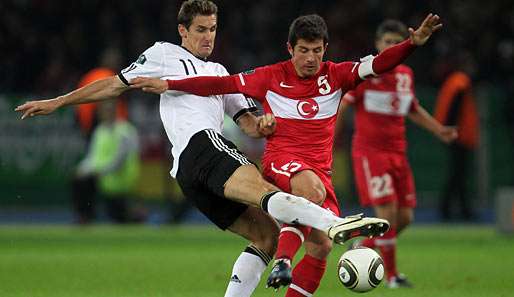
(247, 272)
(297, 210)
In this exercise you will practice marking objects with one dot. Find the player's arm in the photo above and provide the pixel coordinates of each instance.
(392, 56)
(200, 85)
(103, 89)
(395, 55)
(252, 83)
(423, 119)
(257, 126)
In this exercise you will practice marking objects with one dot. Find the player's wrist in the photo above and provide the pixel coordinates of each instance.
(439, 131)
(170, 84)
(61, 101)
(410, 43)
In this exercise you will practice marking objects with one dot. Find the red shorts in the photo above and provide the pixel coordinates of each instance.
(279, 171)
(383, 177)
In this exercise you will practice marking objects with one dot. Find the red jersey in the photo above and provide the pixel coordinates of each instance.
(305, 108)
(381, 104)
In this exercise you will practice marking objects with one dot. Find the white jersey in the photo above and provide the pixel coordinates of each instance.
(183, 114)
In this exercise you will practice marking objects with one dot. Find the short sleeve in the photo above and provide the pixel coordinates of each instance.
(149, 64)
(347, 75)
(254, 83)
(235, 105)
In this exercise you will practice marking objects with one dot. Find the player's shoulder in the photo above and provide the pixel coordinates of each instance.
(402, 68)
(172, 50)
(270, 69)
(218, 68)
(281, 66)
(169, 47)
(338, 66)
(157, 49)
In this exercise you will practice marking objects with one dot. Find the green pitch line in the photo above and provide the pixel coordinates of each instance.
(105, 261)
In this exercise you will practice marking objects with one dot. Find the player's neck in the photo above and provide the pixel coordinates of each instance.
(299, 73)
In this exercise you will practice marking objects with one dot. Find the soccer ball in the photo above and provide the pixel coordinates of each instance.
(360, 269)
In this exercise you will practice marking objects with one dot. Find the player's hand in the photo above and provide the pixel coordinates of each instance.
(267, 124)
(448, 134)
(41, 107)
(149, 84)
(429, 26)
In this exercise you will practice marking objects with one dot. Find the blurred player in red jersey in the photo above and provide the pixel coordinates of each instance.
(304, 94)
(382, 173)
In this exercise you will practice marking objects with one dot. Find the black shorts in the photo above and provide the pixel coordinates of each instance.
(205, 165)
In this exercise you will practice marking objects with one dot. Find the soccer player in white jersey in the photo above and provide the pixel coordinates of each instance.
(210, 170)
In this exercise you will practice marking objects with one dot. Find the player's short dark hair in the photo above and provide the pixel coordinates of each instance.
(308, 27)
(191, 8)
(392, 26)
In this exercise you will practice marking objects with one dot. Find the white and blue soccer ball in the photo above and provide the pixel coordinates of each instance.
(360, 269)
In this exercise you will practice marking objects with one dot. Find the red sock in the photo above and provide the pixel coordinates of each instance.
(368, 242)
(387, 247)
(290, 240)
(306, 277)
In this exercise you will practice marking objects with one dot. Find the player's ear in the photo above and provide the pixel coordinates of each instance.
(182, 31)
(290, 49)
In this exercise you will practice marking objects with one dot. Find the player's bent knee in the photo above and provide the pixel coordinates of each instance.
(315, 193)
(308, 185)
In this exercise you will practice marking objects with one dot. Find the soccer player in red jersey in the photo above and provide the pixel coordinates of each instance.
(304, 95)
(382, 173)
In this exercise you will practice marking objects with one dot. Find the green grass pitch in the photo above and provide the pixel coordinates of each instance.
(107, 261)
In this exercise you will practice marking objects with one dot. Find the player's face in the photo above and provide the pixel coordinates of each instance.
(199, 38)
(307, 56)
(388, 39)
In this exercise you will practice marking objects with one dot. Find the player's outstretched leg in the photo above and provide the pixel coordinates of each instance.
(246, 185)
(296, 210)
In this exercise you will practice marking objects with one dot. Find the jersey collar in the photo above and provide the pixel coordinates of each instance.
(199, 58)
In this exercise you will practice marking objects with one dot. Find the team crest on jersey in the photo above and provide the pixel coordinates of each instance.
(141, 60)
(307, 108)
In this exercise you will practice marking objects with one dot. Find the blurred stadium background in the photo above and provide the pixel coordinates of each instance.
(48, 45)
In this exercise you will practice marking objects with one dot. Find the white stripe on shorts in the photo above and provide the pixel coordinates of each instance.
(232, 151)
(222, 147)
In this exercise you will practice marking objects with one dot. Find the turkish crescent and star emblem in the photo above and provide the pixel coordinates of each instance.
(307, 108)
